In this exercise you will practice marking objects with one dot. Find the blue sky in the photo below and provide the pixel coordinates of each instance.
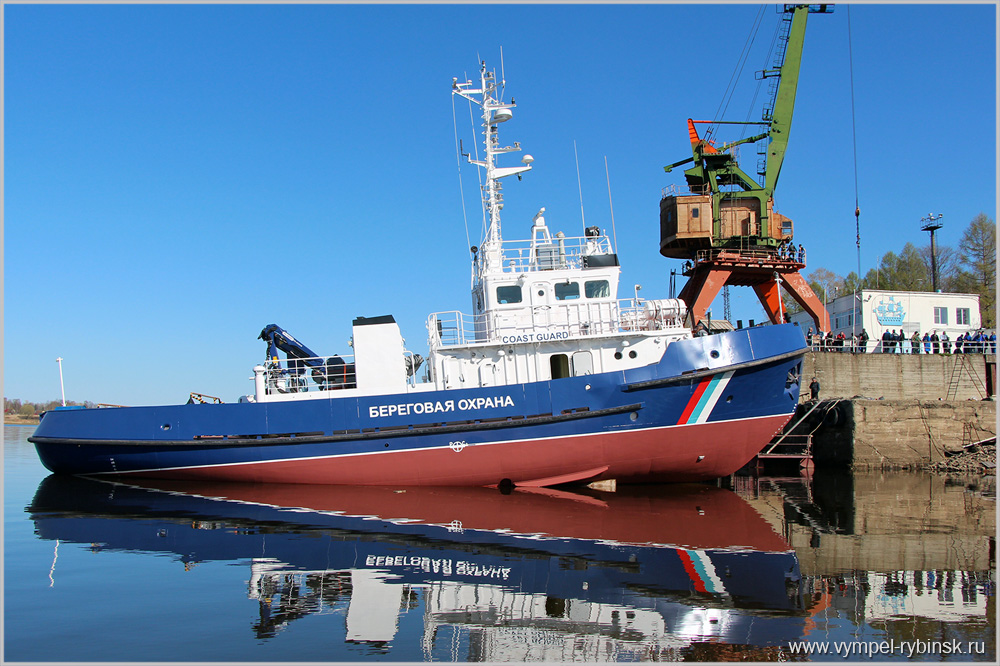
(178, 177)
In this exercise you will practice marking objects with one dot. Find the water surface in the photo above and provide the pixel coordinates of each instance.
(232, 572)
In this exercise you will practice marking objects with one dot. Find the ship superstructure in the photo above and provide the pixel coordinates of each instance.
(546, 307)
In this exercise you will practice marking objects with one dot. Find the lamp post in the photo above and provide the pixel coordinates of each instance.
(61, 388)
(931, 224)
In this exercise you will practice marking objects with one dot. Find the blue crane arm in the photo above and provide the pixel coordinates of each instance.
(278, 338)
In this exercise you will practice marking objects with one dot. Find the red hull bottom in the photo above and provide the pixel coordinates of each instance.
(694, 452)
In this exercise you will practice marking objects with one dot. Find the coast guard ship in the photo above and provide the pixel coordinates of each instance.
(551, 379)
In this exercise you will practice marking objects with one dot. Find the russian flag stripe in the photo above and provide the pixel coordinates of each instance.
(705, 396)
(698, 392)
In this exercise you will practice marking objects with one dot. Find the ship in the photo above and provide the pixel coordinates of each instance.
(552, 379)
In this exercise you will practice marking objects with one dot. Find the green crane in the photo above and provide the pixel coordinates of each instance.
(727, 223)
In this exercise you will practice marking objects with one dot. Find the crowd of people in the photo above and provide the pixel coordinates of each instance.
(896, 342)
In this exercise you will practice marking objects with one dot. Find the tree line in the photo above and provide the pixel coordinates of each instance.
(969, 269)
(27, 409)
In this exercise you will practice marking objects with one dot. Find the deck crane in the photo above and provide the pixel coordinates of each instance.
(726, 227)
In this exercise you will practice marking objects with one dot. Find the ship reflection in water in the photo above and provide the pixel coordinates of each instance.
(469, 573)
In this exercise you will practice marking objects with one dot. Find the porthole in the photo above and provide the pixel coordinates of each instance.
(633, 416)
(729, 398)
(618, 356)
(165, 426)
(632, 354)
(714, 353)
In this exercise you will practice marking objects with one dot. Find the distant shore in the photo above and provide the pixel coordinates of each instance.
(13, 419)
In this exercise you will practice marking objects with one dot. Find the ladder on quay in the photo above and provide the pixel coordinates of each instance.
(963, 364)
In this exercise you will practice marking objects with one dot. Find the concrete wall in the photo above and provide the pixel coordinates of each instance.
(893, 434)
(895, 376)
(909, 433)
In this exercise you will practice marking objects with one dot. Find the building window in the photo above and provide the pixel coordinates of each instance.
(941, 316)
(567, 290)
(597, 288)
(844, 320)
(509, 294)
(962, 316)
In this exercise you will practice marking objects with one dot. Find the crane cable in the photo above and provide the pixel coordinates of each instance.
(771, 57)
(854, 137)
(737, 71)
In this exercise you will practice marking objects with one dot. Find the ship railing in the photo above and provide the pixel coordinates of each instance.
(307, 375)
(551, 322)
(322, 373)
(557, 253)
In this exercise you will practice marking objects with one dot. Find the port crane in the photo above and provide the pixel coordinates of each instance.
(726, 226)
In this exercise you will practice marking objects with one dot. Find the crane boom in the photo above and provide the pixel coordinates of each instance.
(784, 102)
(727, 227)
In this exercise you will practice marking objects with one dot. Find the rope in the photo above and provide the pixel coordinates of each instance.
(854, 138)
(760, 83)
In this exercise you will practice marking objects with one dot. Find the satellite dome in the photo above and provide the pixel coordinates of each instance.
(502, 115)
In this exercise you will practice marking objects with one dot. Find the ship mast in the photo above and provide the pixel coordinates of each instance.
(494, 112)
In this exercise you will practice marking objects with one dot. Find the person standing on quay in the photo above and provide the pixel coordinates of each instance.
(915, 342)
(814, 389)
(927, 343)
(864, 341)
(935, 342)
(945, 343)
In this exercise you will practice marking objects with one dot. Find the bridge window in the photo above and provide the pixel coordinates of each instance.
(597, 288)
(509, 294)
(567, 290)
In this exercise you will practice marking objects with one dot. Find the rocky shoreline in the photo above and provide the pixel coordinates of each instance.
(978, 459)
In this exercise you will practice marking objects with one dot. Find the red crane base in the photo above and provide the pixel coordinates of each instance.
(751, 269)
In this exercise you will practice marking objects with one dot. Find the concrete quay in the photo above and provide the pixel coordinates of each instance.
(895, 411)
(900, 376)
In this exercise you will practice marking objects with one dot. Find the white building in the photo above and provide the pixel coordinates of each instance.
(877, 311)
